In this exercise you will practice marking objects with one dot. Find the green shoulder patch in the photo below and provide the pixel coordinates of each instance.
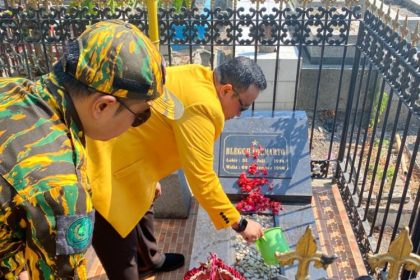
(74, 233)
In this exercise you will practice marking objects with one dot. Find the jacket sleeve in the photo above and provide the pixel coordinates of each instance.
(56, 224)
(195, 135)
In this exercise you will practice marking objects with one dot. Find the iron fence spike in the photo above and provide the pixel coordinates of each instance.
(415, 36)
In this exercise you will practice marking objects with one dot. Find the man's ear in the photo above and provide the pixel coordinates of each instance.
(226, 88)
(102, 104)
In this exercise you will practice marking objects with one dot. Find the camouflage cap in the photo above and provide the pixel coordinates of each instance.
(117, 58)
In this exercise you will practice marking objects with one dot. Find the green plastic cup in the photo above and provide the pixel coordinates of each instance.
(272, 241)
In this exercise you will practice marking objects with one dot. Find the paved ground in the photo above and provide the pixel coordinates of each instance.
(336, 237)
(335, 232)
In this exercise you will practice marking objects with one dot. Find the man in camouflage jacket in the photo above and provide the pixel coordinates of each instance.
(104, 84)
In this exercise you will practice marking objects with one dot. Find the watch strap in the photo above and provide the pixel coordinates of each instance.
(241, 225)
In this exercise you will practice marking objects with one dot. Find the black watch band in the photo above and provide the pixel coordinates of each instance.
(241, 226)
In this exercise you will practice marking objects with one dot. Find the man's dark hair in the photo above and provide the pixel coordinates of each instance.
(65, 69)
(241, 72)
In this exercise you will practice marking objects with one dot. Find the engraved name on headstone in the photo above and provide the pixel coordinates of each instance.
(274, 155)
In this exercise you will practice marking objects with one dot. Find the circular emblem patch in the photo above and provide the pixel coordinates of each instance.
(79, 232)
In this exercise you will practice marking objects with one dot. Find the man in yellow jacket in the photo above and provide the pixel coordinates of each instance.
(124, 171)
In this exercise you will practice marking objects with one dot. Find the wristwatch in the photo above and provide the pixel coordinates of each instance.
(241, 225)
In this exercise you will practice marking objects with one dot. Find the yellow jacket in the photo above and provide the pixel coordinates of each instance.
(125, 170)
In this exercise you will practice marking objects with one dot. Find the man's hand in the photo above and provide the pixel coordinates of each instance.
(158, 191)
(252, 232)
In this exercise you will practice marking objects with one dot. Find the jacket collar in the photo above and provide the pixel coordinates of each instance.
(60, 101)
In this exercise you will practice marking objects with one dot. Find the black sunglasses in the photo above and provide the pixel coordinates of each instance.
(243, 106)
(139, 118)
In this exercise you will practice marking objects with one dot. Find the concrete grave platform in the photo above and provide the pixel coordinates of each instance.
(284, 138)
(293, 219)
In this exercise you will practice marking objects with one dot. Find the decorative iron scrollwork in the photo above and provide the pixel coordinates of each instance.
(319, 168)
(251, 27)
(392, 54)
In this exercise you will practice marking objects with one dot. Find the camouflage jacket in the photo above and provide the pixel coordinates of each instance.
(46, 215)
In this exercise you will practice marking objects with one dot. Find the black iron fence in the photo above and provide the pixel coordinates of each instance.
(357, 80)
(306, 53)
(379, 175)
